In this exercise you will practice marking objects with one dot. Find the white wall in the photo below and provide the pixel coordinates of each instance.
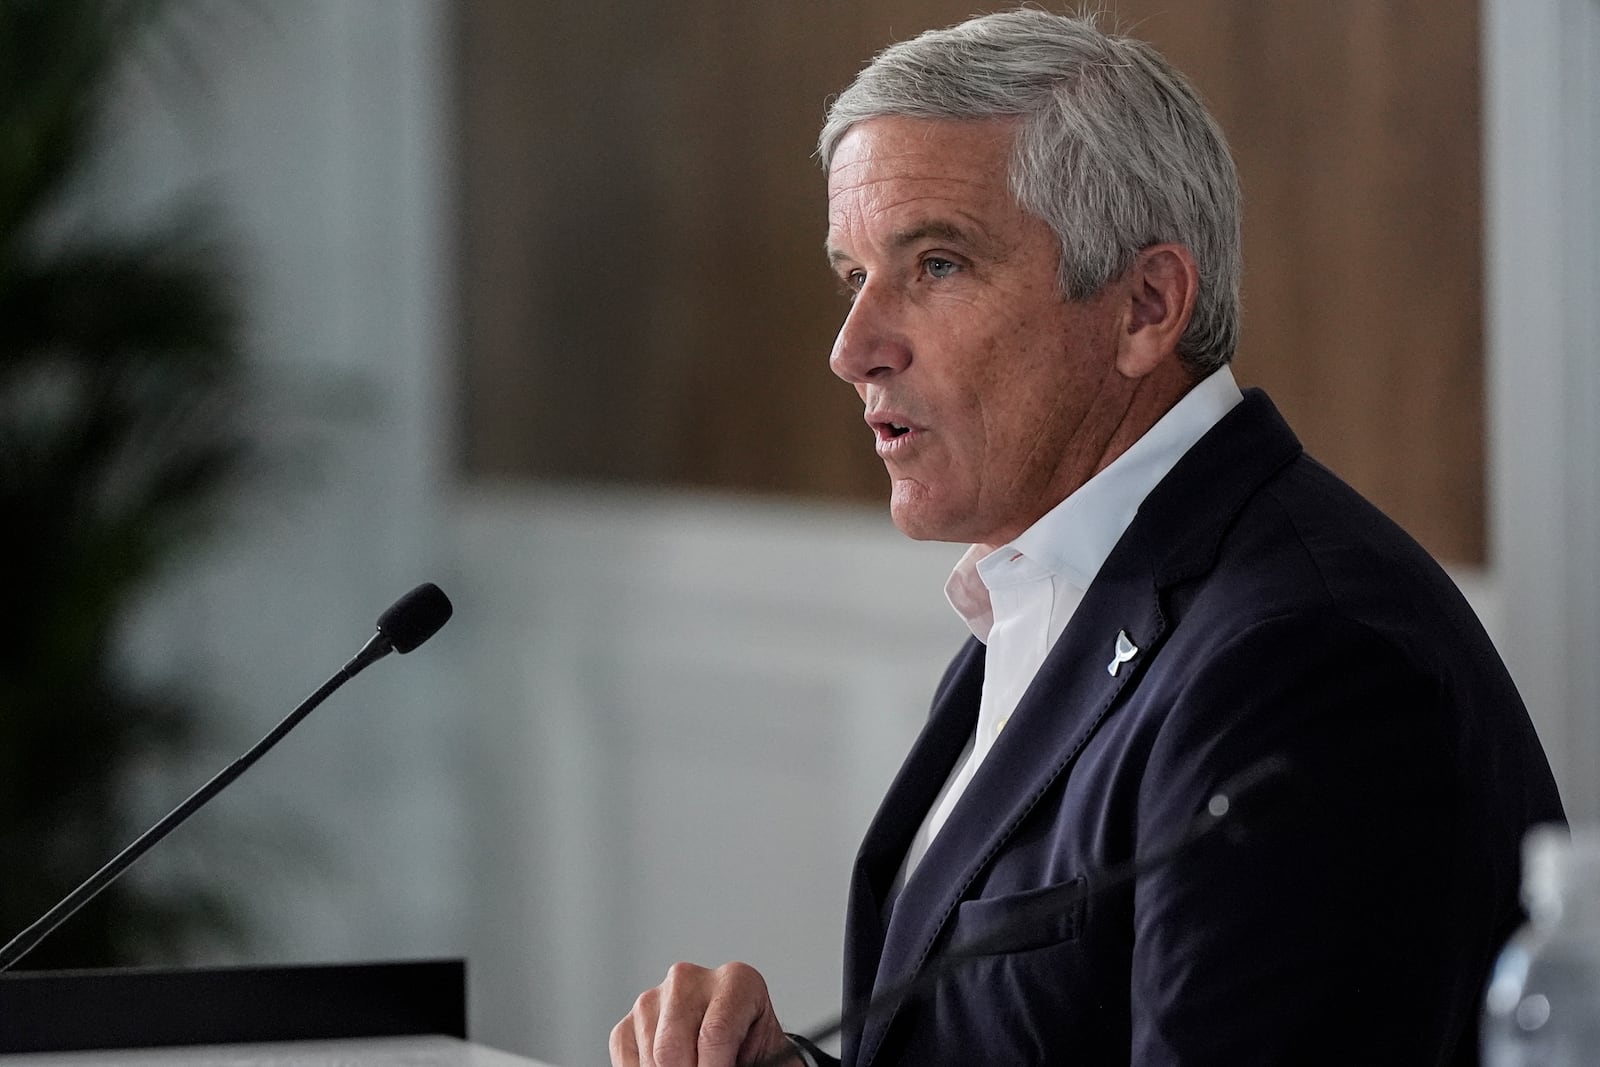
(1542, 241)
(686, 710)
(659, 722)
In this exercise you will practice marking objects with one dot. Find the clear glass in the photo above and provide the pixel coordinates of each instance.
(1543, 1008)
(1543, 1004)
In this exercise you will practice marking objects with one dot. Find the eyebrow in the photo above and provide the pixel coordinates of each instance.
(936, 228)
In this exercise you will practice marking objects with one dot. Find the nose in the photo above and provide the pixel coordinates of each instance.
(871, 345)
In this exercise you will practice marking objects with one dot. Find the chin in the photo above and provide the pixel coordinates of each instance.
(919, 520)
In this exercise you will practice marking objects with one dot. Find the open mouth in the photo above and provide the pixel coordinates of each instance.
(889, 431)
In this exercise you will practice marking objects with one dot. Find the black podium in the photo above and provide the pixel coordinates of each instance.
(72, 1011)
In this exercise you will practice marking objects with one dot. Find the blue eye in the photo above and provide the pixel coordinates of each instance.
(939, 268)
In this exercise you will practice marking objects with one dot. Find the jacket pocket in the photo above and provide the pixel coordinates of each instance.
(1020, 922)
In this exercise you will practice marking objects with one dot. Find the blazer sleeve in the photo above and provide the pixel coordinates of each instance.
(1339, 922)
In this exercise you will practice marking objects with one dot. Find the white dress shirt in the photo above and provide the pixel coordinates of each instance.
(1018, 598)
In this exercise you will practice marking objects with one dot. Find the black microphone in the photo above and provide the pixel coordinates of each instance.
(1247, 785)
(412, 619)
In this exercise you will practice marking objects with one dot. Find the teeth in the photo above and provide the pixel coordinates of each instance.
(897, 430)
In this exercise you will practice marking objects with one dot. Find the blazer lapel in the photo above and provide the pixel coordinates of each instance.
(1040, 742)
(883, 849)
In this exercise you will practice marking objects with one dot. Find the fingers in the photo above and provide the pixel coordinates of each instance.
(636, 1031)
(686, 996)
(700, 1018)
(734, 1029)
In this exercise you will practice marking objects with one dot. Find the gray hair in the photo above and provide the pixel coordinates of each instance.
(1114, 151)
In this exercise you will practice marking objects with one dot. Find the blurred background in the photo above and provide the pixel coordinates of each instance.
(303, 302)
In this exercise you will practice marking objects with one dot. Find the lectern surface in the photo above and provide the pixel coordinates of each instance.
(358, 1052)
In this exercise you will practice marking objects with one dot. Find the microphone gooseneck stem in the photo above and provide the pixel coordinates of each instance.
(17, 947)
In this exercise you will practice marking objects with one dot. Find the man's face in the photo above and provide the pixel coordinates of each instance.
(991, 397)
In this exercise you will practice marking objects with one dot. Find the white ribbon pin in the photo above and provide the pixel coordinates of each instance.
(1126, 650)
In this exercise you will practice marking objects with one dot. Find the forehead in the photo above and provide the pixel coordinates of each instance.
(888, 171)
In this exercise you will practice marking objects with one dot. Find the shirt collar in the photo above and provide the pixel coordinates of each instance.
(1073, 539)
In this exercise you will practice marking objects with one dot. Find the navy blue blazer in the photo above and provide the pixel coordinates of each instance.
(1274, 612)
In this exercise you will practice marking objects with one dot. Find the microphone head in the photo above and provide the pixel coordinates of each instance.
(415, 617)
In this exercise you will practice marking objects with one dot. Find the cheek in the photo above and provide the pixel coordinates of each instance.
(1020, 382)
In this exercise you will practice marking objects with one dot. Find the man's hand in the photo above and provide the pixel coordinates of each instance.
(701, 1018)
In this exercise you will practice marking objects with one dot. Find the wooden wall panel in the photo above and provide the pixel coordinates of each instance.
(644, 298)
(1356, 129)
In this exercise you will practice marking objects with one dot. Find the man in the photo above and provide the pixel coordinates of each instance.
(1037, 224)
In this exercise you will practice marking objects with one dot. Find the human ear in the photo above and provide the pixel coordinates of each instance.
(1159, 290)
